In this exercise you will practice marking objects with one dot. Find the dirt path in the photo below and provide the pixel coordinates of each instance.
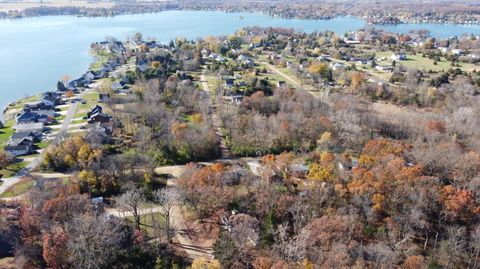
(285, 76)
(217, 124)
(184, 237)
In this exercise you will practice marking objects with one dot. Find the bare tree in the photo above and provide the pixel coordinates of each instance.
(131, 201)
(167, 198)
(291, 248)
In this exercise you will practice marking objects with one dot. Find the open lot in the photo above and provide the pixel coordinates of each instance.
(423, 63)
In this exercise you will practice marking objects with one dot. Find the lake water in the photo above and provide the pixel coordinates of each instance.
(36, 52)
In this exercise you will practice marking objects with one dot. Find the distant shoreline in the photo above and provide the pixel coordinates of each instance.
(136, 9)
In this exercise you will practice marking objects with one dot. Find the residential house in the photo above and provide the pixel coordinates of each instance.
(19, 150)
(244, 60)
(53, 97)
(384, 68)
(21, 135)
(337, 66)
(324, 58)
(94, 110)
(143, 66)
(21, 143)
(358, 60)
(39, 105)
(398, 57)
(27, 116)
(229, 81)
(220, 59)
(77, 83)
(116, 86)
(103, 98)
(92, 75)
(350, 41)
(36, 127)
(89, 76)
(234, 99)
(98, 117)
(458, 52)
(99, 134)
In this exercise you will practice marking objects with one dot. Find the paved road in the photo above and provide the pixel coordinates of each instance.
(8, 182)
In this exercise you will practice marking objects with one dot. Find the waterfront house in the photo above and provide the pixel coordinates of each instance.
(92, 75)
(39, 105)
(102, 73)
(53, 97)
(33, 127)
(27, 117)
(89, 76)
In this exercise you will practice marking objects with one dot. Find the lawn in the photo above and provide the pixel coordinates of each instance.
(20, 103)
(78, 121)
(12, 169)
(18, 189)
(6, 133)
(91, 97)
(147, 222)
(82, 109)
(42, 144)
(419, 62)
(60, 118)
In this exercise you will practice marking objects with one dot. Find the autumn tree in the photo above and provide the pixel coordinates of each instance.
(357, 81)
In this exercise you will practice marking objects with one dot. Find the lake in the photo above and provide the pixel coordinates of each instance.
(36, 52)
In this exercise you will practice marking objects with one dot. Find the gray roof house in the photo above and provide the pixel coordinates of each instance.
(33, 127)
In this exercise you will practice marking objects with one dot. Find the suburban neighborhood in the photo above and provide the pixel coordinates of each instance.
(264, 148)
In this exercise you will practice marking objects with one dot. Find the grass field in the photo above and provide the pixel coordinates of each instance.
(419, 62)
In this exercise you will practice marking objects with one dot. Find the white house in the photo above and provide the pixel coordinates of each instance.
(398, 57)
(337, 66)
